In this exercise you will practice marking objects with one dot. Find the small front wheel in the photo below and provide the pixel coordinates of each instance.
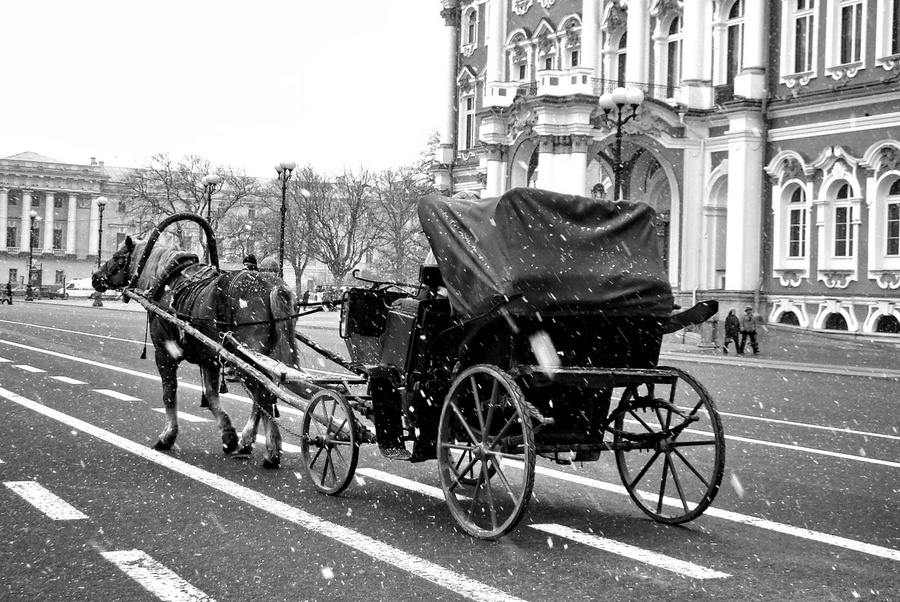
(486, 452)
(674, 472)
(329, 444)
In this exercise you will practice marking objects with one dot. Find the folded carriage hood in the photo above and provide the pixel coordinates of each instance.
(549, 252)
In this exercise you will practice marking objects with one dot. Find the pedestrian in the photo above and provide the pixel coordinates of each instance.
(748, 330)
(250, 262)
(306, 297)
(732, 330)
(9, 293)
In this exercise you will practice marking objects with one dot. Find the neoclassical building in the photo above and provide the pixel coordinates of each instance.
(65, 232)
(768, 140)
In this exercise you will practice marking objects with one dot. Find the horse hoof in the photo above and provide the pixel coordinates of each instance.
(160, 446)
(273, 463)
(245, 450)
(229, 443)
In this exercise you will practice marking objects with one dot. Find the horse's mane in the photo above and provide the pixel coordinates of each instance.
(160, 262)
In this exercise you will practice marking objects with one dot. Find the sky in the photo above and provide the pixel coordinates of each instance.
(333, 83)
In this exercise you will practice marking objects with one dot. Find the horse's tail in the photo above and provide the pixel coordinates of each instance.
(284, 348)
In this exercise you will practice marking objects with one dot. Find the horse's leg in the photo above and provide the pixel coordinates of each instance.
(210, 375)
(273, 435)
(168, 372)
(248, 435)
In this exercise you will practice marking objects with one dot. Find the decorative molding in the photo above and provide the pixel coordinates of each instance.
(547, 3)
(844, 72)
(615, 17)
(797, 79)
(886, 279)
(520, 7)
(790, 278)
(837, 278)
(468, 49)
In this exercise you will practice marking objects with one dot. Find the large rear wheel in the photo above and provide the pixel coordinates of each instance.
(329, 444)
(676, 473)
(486, 452)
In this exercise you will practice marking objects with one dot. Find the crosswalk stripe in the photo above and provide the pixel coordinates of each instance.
(157, 579)
(50, 504)
(116, 395)
(68, 381)
(661, 561)
(184, 416)
(28, 368)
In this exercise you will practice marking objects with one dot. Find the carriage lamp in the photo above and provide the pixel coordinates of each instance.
(284, 170)
(101, 205)
(618, 100)
(29, 294)
(212, 184)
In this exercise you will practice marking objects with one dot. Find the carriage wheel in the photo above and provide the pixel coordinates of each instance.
(676, 479)
(484, 433)
(329, 445)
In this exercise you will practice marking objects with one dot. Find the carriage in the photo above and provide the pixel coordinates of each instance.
(535, 331)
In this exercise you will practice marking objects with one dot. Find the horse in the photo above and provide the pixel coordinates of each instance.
(255, 307)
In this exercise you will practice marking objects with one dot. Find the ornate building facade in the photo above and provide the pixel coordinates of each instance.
(768, 140)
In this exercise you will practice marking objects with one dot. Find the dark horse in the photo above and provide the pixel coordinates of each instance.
(255, 307)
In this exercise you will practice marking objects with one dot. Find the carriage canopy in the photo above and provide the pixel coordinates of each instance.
(549, 253)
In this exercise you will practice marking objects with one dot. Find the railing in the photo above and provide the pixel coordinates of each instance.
(529, 89)
(656, 92)
(723, 93)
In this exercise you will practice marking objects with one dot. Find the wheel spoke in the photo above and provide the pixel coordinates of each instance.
(691, 467)
(662, 484)
(677, 482)
(643, 471)
(478, 412)
(465, 424)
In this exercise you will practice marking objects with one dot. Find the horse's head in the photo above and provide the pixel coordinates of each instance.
(116, 272)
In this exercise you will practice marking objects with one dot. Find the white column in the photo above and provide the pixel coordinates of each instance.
(4, 216)
(447, 149)
(637, 62)
(496, 41)
(94, 228)
(49, 211)
(546, 164)
(25, 235)
(590, 36)
(745, 173)
(750, 82)
(70, 224)
(696, 72)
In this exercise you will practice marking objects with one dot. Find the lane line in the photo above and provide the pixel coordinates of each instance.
(182, 415)
(47, 502)
(116, 395)
(67, 331)
(436, 574)
(832, 429)
(4, 360)
(157, 579)
(68, 381)
(661, 561)
(833, 540)
(28, 368)
(820, 452)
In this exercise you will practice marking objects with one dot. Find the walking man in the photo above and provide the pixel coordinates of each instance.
(748, 330)
(732, 330)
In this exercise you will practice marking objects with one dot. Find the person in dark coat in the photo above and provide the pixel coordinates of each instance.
(748, 330)
(250, 262)
(732, 330)
(9, 293)
(306, 297)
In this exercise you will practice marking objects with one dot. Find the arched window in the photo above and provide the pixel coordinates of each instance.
(471, 27)
(735, 26)
(835, 321)
(789, 318)
(893, 219)
(673, 68)
(843, 224)
(797, 224)
(888, 324)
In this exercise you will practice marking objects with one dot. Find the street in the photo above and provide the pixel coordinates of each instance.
(807, 511)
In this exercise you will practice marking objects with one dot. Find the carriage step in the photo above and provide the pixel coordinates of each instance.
(395, 453)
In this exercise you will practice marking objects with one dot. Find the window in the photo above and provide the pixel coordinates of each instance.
(735, 40)
(851, 31)
(471, 27)
(57, 202)
(843, 225)
(13, 275)
(797, 224)
(621, 56)
(57, 238)
(575, 57)
(13, 199)
(522, 71)
(548, 63)
(893, 219)
(122, 207)
(60, 276)
(12, 236)
(468, 122)
(35, 201)
(895, 28)
(673, 71)
(804, 35)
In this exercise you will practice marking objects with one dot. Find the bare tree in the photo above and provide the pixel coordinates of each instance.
(301, 243)
(344, 229)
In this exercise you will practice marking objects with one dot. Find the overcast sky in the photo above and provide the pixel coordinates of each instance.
(334, 83)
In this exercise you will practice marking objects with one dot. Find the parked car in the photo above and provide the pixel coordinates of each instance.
(82, 288)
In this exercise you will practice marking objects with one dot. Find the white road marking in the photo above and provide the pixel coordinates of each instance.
(86, 334)
(183, 416)
(68, 381)
(428, 490)
(811, 450)
(831, 429)
(436, 574)
(28, 368)
(287, 447)
(160, 581)
(4, 360)
(50, 504)
(116, 395)
(661, 561)
(834, 540)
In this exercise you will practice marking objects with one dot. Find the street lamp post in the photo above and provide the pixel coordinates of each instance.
(101, 205)
(212, 184)
(618, 99)
(284, 170)
(29, 293)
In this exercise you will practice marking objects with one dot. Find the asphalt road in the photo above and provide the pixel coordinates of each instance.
(808, 508)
